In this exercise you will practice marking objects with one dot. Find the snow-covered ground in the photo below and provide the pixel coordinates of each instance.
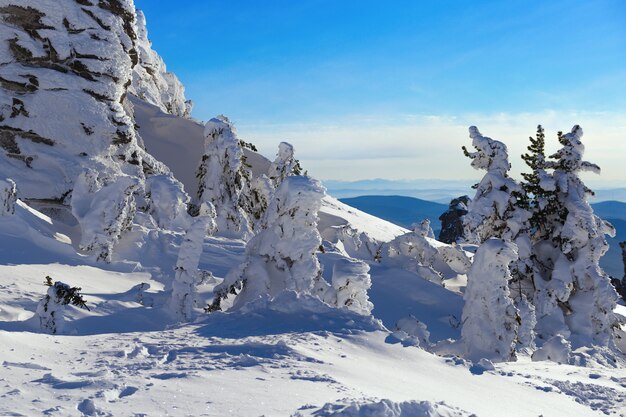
(113, 223)
(127, 356)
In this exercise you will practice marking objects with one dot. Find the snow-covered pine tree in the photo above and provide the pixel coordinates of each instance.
(8, 197)
(284, 165)
(490, 319)
(349, 285)
(184, 287)
(51, 309)
(452, 220)
(261, 190)
(224, 179)
(577, 284)
(498, 210)
(105, 211)
(281, 256)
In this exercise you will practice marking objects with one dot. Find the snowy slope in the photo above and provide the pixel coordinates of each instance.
(270, 362)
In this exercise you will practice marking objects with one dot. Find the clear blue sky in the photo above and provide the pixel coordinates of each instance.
(292, 67)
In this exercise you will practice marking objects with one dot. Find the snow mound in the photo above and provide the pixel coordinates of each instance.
(388, 408)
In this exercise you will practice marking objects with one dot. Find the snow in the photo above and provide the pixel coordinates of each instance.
(330, 311)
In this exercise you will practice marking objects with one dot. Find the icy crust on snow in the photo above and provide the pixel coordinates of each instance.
(388, 408)
(151, 82)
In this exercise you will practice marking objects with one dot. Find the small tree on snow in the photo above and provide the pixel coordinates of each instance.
(184, 287)
(51, 308)
(490, 319)
(281, 256)
(8, 197)
(223, 178)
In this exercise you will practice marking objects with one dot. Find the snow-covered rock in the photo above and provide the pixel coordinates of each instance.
(151, 81)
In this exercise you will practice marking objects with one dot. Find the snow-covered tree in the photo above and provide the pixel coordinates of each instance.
(167, 202)
(494, 211)
(223, 178)
(261, 190)
(184, 287)
(51, 309)
(490, 319)
(281, 256)
(452, 220)
(105, 210)
(577, 291)
(284, 165)
(499, 210)
(349, 285)
(8, 197)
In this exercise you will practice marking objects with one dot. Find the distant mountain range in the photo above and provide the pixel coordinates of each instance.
(404, 211)
(440, 191)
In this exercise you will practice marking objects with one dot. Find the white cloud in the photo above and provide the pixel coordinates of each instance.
(429, 146)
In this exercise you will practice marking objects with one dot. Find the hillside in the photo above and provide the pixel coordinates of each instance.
(153, 265)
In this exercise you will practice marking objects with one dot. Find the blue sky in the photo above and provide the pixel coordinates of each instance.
(340, 73)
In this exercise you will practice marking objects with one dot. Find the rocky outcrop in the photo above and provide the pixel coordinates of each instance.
(67, 68)
(151, 81)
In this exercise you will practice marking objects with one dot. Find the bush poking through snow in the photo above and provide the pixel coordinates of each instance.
(8, 197)
(51, 308)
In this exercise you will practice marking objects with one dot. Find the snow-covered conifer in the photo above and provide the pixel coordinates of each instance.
(104, 211)
(223, 178)
(284, 165)
(51, 309)
(499, 211)
(261, 190)
(8, 197)
(349, 285)
(494, 211)
(184, 287)
(281, 256)
(490, 319)
(452, 220)
(577, 284)
(167, 202)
